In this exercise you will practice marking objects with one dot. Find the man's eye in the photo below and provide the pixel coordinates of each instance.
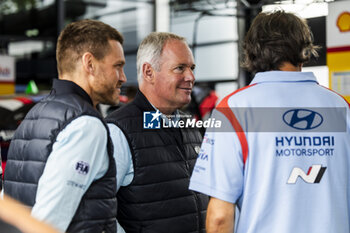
(180, 68)
(119, 65)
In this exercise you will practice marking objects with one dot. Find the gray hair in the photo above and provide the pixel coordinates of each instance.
(151, 48)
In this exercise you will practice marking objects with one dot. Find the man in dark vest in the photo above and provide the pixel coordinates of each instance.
(60, 161)
(155, 162)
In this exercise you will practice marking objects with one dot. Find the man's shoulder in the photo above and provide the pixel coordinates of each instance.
(128, 111)
(71, 101)
(62, 108)
(238, 96)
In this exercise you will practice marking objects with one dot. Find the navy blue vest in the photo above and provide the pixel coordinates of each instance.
(158, 199)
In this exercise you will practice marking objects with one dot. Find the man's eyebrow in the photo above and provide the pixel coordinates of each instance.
(187, 65)
(120, 62)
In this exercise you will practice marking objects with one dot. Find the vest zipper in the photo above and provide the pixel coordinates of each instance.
(182, 149)
(199, 222)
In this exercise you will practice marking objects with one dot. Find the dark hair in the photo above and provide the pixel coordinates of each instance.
(275, 38)
(84, 36)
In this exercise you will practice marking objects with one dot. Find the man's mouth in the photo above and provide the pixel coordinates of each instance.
(186, 88)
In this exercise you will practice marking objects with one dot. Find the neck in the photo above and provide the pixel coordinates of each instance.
(287, 66)
(166, 110)
(80, 80)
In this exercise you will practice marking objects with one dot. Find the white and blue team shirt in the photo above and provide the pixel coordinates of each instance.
(282, 157)
(79, 157)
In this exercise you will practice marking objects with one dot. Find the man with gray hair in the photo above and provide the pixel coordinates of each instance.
(155, 163)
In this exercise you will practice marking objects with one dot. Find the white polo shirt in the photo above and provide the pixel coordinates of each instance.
(282, 156)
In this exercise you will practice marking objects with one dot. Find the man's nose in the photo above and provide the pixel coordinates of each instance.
(189, 75)
(123, 78)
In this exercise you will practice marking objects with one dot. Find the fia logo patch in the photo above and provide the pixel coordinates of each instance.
(82, 167)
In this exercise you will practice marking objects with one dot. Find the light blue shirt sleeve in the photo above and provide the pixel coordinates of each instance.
(219, 167)
(79, 156)
(122, 156)
(123, 159)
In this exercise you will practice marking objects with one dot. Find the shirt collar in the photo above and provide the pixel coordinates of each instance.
(283, 76)
(62, 87)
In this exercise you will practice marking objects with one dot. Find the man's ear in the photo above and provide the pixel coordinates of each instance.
(88, 63)
(148, 72)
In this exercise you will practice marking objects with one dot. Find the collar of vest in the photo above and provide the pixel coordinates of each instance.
(142, 103)
(63, 87)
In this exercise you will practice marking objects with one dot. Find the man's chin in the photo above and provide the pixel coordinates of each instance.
(184, 102)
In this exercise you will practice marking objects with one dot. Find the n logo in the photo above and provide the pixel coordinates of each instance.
(314, 175)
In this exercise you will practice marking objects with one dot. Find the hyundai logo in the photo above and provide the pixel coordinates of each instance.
(302, 119)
